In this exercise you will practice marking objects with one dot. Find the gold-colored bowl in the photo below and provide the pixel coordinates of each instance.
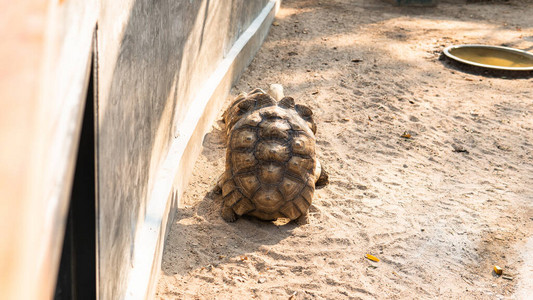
(494, 57)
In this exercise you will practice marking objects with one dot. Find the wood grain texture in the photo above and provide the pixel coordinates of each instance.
(44, 63)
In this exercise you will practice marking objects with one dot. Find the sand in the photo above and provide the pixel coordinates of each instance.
(439, 209)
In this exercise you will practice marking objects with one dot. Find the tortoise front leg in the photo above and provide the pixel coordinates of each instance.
(217, 189)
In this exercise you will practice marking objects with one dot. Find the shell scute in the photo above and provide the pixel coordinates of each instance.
(272, 150)
(307, 194)
(232, 198)
(300, 166)
(264, 100)
(268, 200)
(243, 206)
(242, 161)
(252, 120)
(290, 188)
(290, 211)
(277, 129)
(243, 138)
(228, 187)
(248, 183)
(275, 112)
(303, 145)
(297, 126)
(270, 173)
(301, 203)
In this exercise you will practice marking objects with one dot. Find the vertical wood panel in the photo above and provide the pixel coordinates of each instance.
(44, 63)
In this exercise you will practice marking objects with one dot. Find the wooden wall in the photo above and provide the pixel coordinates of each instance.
(44, 67)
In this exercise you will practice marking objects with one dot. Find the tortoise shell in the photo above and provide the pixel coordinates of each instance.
(271, 165)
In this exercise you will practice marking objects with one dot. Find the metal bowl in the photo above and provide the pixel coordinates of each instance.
(493, 57)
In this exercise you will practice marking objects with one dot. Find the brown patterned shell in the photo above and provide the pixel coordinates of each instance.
(270, 161)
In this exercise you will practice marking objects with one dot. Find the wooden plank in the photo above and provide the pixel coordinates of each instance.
(44, 61)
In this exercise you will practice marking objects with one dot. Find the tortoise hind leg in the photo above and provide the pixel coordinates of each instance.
(323, 178)
(228, 214)
(302, 219)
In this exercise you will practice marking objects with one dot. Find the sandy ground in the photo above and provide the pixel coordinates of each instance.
(439, 208)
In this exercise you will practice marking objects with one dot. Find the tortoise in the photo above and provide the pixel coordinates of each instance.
(271, 165)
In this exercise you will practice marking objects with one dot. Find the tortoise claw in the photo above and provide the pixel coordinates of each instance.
(228, 214)
(217, 190)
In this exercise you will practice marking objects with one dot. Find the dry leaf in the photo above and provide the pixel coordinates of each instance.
(372, 257)
(498, 270)
(406, 135)
(275, 23)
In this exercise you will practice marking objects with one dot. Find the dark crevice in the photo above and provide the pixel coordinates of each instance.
(77, 271)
